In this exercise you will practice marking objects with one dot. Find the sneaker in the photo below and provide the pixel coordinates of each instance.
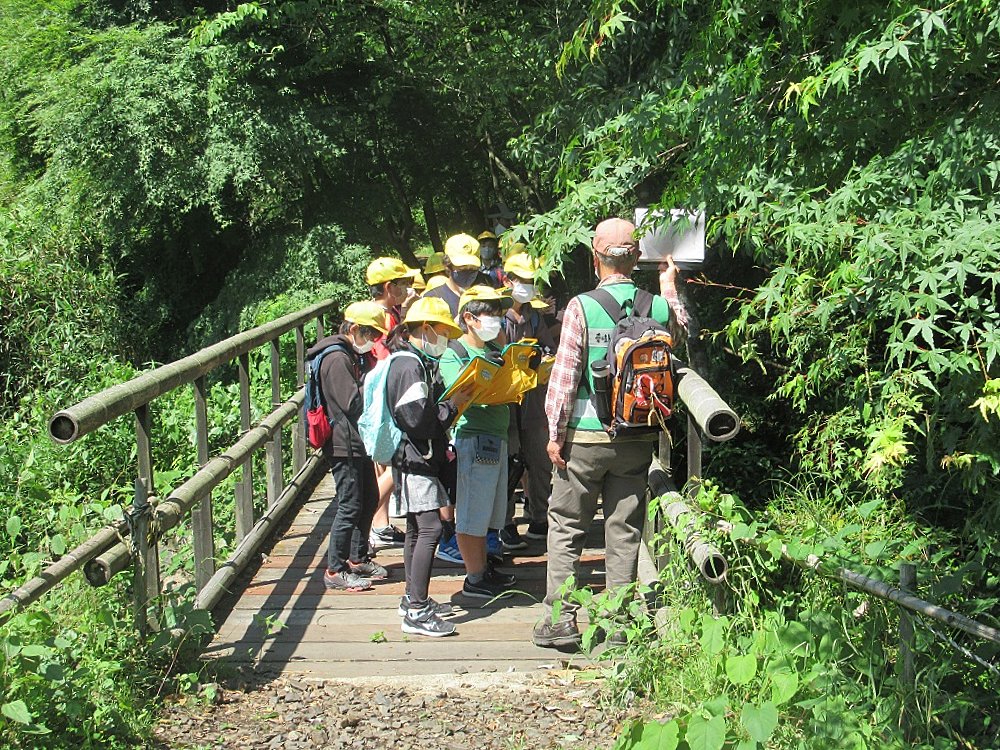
(369, 569)
(504, 579)
(511, 539)
(494, 546)
(561, 635)
(448, 551)
(441, 609)
(345, 580)
(537, 531)
(386, 537)
(485, 589)
(426, 621)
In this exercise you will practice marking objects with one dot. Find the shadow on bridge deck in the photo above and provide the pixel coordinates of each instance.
(285, 622)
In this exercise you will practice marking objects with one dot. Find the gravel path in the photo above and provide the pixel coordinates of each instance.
(494, 711)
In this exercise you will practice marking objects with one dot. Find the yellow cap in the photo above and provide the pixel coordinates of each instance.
(433, 310)
(418, 282)
(521, 265)
(487, 235)
(483, 293)
(462, 251)
(434, 263)
(435, 281)
(382, 270)
(367, 313)
(538, 303)
(508, 247)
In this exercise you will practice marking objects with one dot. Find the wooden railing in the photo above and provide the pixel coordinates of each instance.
(687, 523)
(134, 541)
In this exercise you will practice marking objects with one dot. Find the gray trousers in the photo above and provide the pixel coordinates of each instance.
(617, 474)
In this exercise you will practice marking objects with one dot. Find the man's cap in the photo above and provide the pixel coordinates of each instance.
(382, 270)
(435, 281)
(367, 313)
(521, 265)
(487, 235)
(615, 238)
(433, 310)
(483, 293)
(462, 251)
(434, 263)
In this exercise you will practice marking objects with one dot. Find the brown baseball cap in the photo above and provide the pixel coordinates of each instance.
(614, 237)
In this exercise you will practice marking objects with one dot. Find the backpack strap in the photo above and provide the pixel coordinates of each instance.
(314, 364)
(642, 304)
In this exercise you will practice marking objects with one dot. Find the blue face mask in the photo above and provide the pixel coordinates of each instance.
(465, 277)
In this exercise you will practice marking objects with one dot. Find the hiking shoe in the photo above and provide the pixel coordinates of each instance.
(504, 579)
(345, 580)
(426, 621)
(448, 551)
(485, 589)
(441, 609)
(537, 531)
(511, 539)
(386, 537)
(369, 569)
(561, 635)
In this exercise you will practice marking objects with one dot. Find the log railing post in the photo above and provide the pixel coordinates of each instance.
(201, 514)
(299, 426)
(244, 487)
(275, 472)
(693, 454)
(146, 580)
(908, 675)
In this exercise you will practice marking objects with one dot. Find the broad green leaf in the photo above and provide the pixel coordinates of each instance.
(784, 685)
(741, 668)
(13, 526)
(713, 634)
(706, 734)
(58, 545)
(759, 721)
(17, 711)
(657, 736)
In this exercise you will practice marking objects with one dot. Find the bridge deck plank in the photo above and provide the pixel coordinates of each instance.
(285, 621)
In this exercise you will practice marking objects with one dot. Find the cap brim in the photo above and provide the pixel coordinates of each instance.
(461, 260)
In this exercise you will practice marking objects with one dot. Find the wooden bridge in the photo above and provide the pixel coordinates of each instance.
(269, 604)
(284, 621)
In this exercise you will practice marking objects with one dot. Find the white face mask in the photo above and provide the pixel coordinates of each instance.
(365, 347)
(522, 292)
(437, 348)
(489, 327)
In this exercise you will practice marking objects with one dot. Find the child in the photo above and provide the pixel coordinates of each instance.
(349, 566)
(413, 389)
(480, 444)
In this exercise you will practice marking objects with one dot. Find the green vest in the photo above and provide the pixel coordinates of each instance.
(599, 327)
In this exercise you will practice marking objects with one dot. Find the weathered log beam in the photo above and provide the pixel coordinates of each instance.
(178, 504)
(60, 570)
(76, 421)
(713, 416)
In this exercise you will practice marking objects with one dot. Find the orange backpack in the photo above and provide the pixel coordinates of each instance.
(643, 374)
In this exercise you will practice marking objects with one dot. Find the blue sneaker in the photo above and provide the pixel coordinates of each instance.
(448, 551)
(494, 547)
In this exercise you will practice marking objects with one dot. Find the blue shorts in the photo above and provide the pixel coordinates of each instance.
(481, 497)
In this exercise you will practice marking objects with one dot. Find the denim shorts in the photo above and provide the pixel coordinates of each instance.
(481, 499)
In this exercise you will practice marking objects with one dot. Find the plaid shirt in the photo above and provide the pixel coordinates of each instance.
(571, 356)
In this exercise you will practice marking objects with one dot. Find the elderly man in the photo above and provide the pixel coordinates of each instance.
(588, 463)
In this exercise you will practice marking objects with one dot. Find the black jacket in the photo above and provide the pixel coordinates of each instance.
(413, 387)
(340, 377)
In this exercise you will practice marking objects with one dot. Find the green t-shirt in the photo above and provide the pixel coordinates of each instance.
(478, 419)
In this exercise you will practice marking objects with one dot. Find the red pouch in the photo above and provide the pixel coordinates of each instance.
(319, 427)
